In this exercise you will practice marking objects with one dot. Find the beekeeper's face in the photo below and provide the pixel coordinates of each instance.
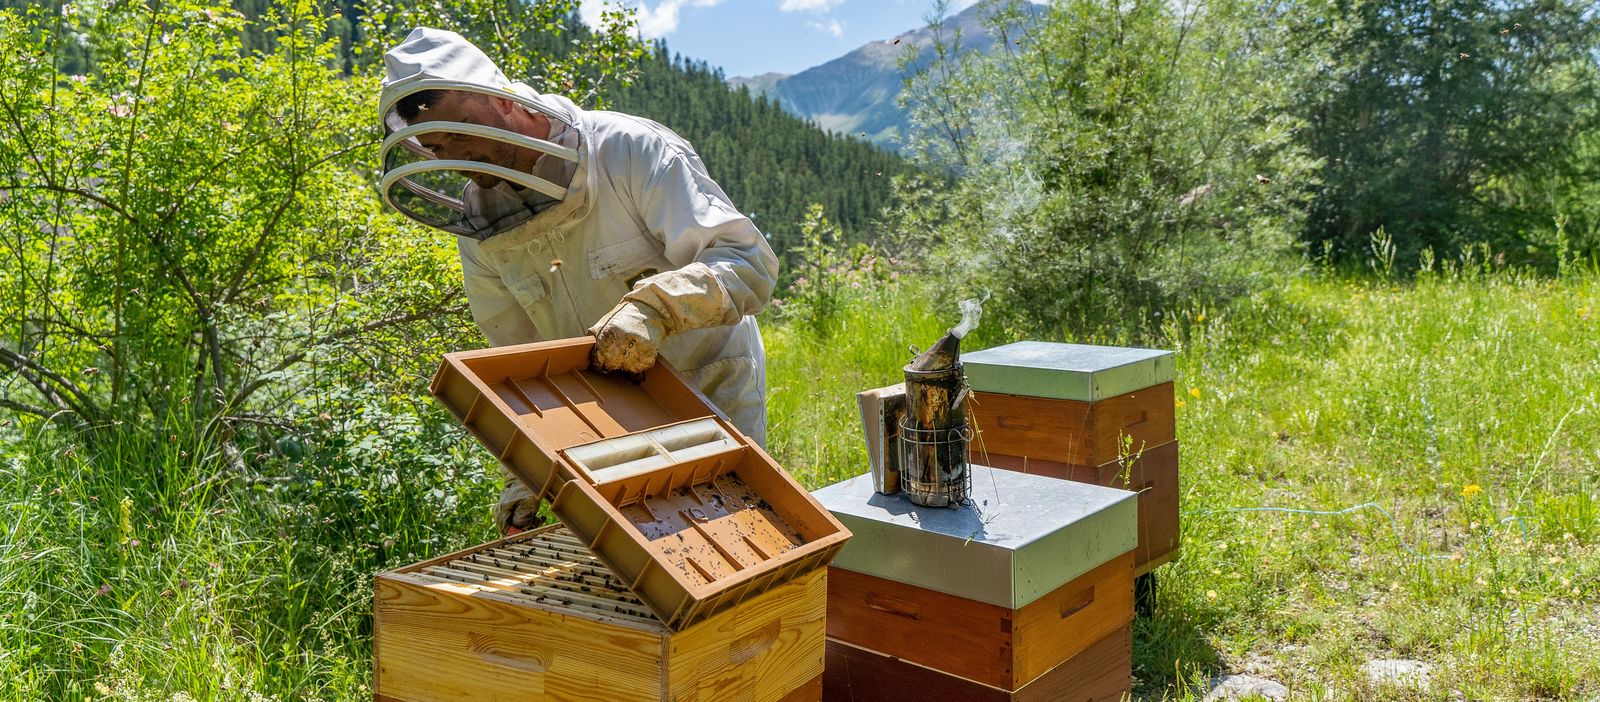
(489, 111)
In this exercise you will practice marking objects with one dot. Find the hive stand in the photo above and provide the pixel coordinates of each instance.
(1096, 414)
(1024, 593)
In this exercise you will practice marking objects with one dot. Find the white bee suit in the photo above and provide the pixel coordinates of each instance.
(613, 201)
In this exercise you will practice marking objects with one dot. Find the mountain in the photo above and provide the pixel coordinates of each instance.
(856, 93)
(771, 162)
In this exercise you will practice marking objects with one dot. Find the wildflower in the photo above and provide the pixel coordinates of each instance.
(1200, 317)
(1471, 490)
(1583, 312)
(1195, 393)
(1177, 402)
(1211, 594)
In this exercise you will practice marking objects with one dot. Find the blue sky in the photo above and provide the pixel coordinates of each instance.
(748, 37)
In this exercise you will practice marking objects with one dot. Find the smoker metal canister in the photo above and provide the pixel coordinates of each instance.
(933, 438)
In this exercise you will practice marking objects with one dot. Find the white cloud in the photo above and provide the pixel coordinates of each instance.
(832, 26)
(809, 5)
(654, 21)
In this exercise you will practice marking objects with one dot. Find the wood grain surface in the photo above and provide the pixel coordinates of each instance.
(1100, 673)
(438, 640)
(763, 650)
(985, 643)
(1071, 431)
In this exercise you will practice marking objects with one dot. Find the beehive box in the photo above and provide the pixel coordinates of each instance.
(538, 616)
(689, 514)
(1102, 672)
(1073, 432)
(1081, 412)
(984, 601)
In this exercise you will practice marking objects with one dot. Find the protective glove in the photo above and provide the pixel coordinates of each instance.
(517, 510)
(628, 337)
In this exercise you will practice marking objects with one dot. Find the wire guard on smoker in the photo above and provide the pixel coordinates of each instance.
(934, 464)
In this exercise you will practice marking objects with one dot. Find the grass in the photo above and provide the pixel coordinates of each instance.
(127, 573)
(1326, 394)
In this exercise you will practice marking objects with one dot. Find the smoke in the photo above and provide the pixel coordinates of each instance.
(971, 312)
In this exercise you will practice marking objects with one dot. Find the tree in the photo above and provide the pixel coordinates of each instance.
(1429, 114)
(1117, 160)
(189, 226)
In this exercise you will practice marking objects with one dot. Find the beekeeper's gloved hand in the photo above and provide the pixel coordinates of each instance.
(517, 510)
(628, 337)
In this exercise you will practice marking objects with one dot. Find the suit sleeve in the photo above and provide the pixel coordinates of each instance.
(726, 268)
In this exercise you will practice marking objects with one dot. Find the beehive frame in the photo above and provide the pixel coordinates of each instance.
(689, 538)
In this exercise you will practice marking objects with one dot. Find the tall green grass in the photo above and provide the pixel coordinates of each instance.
(1325, 393)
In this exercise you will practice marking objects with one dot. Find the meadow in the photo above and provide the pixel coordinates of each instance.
(1371, 468)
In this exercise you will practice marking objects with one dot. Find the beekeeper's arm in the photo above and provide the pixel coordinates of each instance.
(726, 269)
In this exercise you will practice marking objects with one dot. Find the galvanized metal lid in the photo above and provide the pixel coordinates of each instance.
(1066, 371)
(1019, 538)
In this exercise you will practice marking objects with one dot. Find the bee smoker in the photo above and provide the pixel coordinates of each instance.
(933, 430)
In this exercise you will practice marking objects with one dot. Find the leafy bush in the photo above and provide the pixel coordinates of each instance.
(824, 274)
(1117, 159)
(191, 224)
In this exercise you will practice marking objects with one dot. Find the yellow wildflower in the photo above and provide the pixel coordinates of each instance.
(1178, 402)
(1471, 490)
(1195, 392)
(1202, 317)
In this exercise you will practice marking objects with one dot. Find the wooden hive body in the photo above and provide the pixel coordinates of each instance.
(995, 646)
(1072, 432)
(1026, 592)
(689, 514)
(1102, 672)
(537, 616)
(1074, 412)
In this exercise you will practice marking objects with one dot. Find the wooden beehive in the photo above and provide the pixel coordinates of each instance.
(1019, 594)
(997, 646)
(538, 616)
(1076, 412)
(689, 514)
(1102, 672)
(1072, 432)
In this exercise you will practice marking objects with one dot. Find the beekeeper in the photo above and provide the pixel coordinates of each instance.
(573, 222)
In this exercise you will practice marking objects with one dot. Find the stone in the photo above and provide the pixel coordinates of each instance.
(1400, 673)
(1244, 687)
